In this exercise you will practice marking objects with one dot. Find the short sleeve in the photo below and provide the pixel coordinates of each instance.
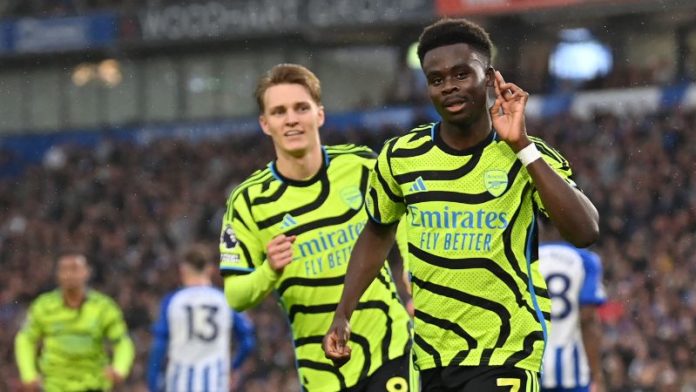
(558, 163)
(592, 291)
(240, 249)
(384, 200)
(115, 326)
(32, 322)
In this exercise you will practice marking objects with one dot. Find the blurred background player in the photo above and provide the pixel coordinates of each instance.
(572, 359)
(290, 228)
(193, 333)
(72, 323)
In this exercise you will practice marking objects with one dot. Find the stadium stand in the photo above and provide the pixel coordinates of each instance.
(131, 206)
(130, 168)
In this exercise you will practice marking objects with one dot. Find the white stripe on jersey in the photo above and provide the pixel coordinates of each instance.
(573, 277)
(200, 324)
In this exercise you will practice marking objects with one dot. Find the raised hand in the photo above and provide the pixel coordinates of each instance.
(279, 252)
(507, 113)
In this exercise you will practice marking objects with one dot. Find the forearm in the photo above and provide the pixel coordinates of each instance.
(399, 274)
(245, 291)
(124, 354)
(155, 363)
(367, 258)
(592, 337)
(25, 354)
(570, 211)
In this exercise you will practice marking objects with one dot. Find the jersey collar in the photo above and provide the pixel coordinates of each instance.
(320, 174)
(437, 139)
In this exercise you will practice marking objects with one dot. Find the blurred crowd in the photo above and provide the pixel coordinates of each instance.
(131, 207)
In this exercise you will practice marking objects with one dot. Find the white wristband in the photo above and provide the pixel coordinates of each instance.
(528, 154)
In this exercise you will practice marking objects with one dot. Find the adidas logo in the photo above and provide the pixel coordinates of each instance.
(288, 221)
(418, 185)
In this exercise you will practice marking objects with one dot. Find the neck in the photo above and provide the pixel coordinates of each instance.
(74, 297)
(461, 137)
(300, 167)
(197, 281)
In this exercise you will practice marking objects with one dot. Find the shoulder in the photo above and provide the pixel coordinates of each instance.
(561, 254)
(416, 137)
(590, 260)
(546, 149)
(350, 150)
(257, 181)
(102, 299)
(47, 299)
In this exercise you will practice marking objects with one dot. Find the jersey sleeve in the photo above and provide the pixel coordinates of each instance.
(592, 291)
(384, 200)
(116, 331)
(158, 350)
(240, 249)
(25, 344)
(243, 330)
(557, 162)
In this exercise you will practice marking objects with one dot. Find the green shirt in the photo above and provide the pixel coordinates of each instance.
(73, 356)
(472, 237)
(326, 214)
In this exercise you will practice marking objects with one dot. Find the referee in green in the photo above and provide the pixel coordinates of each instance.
(73, 322)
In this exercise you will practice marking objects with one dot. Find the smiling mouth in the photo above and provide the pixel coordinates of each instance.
(455, 106)
(293, 133)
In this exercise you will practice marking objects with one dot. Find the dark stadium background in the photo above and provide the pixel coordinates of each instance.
(124, 125)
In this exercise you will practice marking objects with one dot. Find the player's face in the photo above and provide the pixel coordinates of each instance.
(72, 272)
(291, 118)
(458, 78)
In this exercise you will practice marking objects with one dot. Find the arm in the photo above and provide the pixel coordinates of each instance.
(592, 295)
(400, 276)
(25, 350)
(570, 211)
(367, 258)
(116, 332)
(124, 354)
(592, 339)
(155, 363)
(158, 351)
(246, 291)
(244, 334)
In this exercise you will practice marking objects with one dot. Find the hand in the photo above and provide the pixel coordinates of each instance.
(235, 379)
(410, 308)
(32, 386)
(334, 343)
(279, 252)
(112, 375)
(597, 386)
(509, 122)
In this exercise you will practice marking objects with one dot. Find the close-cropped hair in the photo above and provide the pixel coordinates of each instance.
(197, 257)
(288, 74)
(67, 252)
(455, 31)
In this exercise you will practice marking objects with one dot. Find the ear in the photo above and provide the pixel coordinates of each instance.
(320, 114)
(263, 122)
(490, 77)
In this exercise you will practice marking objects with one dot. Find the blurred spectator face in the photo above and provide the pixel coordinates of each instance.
(291, 118)
(72, 272)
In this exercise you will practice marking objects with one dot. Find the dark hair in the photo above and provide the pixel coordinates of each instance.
(66, 252)
(197, 257)
(455, 31)
(288, 74)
